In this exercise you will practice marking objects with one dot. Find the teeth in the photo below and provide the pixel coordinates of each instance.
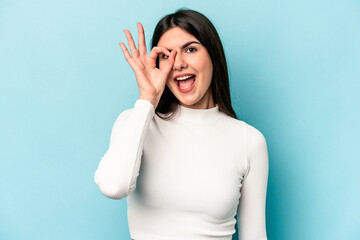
(184, 77)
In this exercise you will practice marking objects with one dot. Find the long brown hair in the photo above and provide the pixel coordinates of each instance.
(200, 27)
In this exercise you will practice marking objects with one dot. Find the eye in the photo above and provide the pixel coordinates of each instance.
(192, 49)
(163, 56)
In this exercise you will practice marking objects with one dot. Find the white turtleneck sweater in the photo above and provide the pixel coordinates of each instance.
(187, 178)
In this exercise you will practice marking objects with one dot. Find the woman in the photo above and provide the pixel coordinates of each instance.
(184, 161)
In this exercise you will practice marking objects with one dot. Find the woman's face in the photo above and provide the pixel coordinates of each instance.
(192, 58)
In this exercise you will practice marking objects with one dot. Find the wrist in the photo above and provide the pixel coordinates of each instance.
(151, 99)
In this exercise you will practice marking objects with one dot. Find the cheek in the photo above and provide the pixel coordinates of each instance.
(170, 83)
(204, 64)
(208, 70)
(162, 61)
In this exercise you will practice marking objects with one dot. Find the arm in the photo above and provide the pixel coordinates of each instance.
(118, 169)
(251, 212)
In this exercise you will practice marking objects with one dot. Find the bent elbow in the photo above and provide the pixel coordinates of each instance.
(116, 194)
(111, 188)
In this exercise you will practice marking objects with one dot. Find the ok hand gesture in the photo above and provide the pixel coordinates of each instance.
(151, 80)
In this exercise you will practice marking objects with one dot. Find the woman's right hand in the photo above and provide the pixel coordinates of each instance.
(151, 80)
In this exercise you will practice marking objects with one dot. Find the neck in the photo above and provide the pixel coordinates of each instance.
(197, 116)
(206, 102)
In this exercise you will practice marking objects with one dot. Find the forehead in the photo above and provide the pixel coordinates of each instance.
(175, 37)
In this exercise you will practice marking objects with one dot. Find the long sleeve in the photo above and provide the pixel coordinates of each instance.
(118, 169)
(251, 213)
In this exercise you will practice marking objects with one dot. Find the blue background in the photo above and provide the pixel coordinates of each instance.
(294, 75)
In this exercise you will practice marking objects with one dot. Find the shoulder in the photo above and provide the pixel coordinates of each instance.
(121, 120)
(255, 137)
(232, 122)
(123, 115)
(256, 143)
(141, 106)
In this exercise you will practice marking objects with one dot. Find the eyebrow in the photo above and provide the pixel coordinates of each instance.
(186, 44)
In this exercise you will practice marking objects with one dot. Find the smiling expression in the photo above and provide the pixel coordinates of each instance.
(191, 58)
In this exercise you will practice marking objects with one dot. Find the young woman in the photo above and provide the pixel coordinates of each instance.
(184, 161)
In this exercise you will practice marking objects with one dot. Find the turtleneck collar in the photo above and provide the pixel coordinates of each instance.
(191, 115)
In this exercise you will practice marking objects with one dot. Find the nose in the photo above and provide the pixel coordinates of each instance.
(179, 62)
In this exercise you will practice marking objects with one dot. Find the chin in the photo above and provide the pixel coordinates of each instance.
(188, 102)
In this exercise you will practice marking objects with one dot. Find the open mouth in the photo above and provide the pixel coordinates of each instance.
(185, 82)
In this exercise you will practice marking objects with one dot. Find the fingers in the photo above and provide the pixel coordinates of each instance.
(125, 51)
(156, 51)
(141, 35)
(134, 51)
(126, 54)
(170, 63)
